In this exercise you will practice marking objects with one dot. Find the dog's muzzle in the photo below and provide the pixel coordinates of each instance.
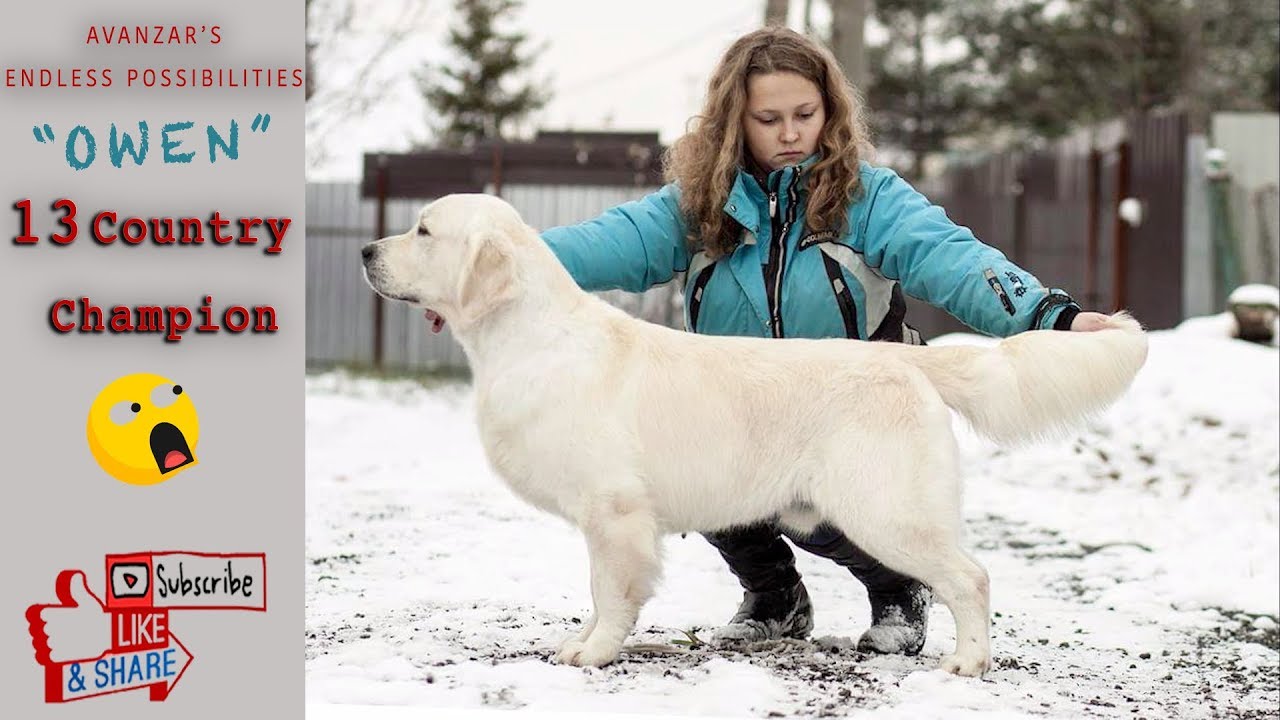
(369, 260)
(375, 274)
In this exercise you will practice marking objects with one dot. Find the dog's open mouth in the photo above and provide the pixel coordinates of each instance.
(169, 448)
(437, 322)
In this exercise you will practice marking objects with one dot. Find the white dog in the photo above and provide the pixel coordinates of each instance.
(631, 430)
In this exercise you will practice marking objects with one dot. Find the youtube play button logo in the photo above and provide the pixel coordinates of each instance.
(130, 580)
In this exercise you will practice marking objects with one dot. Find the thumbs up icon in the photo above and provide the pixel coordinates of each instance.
(77, 628)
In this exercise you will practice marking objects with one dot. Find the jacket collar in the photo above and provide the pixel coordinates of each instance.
(748, 203)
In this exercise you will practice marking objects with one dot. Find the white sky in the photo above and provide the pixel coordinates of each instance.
(609, 64)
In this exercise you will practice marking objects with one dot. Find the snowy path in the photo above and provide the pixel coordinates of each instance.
(1135, 571)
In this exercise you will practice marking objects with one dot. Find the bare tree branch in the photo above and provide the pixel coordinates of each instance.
(337, 89)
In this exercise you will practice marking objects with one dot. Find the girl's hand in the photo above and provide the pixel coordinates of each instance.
(1090, 321)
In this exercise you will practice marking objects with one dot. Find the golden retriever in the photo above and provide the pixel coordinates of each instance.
(631, 430)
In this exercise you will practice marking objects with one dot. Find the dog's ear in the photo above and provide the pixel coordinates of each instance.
(488, 277)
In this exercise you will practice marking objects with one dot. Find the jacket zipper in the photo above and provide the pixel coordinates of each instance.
(778, 251)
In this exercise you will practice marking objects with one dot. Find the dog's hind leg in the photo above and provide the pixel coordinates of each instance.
(622, 541)
(906, 514)
(964, 587)
(933, 555)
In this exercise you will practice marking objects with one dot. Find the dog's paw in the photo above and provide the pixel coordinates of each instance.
(578, 637)
(569, 651)
(966, 666)
(585, 654)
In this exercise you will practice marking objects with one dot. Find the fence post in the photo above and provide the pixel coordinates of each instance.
(1120, 230)
(1091, 236)
(1019, 189)
(497, 167)
(381, 232)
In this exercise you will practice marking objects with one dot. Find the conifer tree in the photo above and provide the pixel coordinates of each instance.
(480, 94)
(918, 104)
(1059, 64)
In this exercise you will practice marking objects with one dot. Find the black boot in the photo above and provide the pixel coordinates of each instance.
(899, 604)
(774, 602)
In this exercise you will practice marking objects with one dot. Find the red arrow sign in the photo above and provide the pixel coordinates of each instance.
(159, 669)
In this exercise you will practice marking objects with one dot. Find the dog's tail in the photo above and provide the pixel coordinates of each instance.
(1036, 384)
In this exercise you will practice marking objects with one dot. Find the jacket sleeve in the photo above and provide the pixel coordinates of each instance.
(913, 241)
(632, 247)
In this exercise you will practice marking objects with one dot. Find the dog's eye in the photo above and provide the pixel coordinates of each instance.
(164, 394)
(123, 413)
(422, 230)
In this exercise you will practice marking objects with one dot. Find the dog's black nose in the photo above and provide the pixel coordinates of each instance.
(366, 253)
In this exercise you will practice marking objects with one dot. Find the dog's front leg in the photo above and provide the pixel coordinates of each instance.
(624, 568)
(582, 634)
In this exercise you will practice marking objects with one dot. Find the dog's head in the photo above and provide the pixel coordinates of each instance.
(457, 261)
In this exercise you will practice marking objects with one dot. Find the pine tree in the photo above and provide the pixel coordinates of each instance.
(480, 95)
(1053, 65)
(917, 104)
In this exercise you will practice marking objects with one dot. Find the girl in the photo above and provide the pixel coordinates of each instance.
(782, 229)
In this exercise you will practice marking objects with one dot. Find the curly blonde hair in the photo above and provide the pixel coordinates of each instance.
(706, 160)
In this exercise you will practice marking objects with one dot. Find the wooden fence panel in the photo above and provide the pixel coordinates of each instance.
(340, 305)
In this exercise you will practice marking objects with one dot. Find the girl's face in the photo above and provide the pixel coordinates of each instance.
(783, 119)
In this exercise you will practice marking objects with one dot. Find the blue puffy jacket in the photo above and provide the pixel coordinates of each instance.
(783, 281)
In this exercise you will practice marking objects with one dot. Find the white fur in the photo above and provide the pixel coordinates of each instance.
(631, 430)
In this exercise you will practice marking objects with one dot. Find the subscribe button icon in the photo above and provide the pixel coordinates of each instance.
(187, 581)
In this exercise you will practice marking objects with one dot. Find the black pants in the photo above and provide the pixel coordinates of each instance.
(762, 560)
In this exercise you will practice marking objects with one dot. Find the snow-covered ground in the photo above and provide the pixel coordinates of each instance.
(1135, 571)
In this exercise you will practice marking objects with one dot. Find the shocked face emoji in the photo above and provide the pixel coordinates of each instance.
(143, 429)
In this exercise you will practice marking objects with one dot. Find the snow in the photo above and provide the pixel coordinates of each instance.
(1225, 325)
(1222, 325)
(1135, 571)
(1255, 294)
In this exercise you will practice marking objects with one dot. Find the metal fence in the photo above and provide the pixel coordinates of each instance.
(340, 305)
(1053, 211)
